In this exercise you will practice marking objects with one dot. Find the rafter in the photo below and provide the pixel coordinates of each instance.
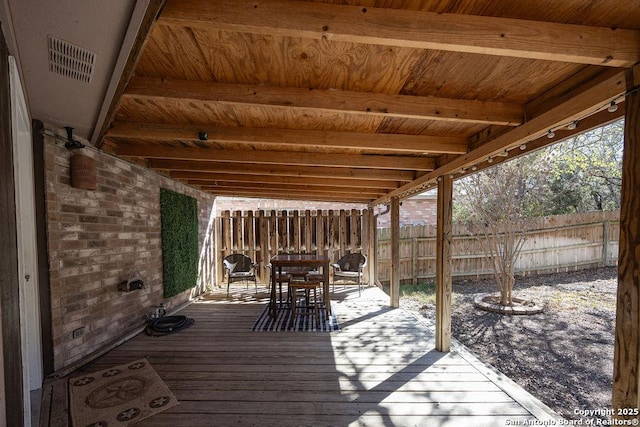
(149, 20)
(278, 158)
(371, 192)
(289, 195)
(400, 106)
(593, 95)
(285, 171)
(202, 177)
(425, 30)
(391, 143)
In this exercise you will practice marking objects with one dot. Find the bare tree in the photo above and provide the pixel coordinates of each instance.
(580, 174)
(497, 201)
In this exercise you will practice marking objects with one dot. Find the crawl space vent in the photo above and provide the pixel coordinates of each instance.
(70, 60)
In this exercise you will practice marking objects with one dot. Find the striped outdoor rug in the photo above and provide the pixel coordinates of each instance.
(301, 323)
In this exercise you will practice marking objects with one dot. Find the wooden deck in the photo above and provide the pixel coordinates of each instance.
(380, 369)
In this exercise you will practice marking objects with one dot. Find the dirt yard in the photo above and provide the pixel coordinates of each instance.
(563, 356)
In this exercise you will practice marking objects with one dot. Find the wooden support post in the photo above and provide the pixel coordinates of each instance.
(370, 232)
(443, 264)
(395, 253)
(626, 363)
(225, 248)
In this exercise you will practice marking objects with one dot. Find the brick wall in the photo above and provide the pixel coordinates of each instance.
(99, 238)
(418, 210)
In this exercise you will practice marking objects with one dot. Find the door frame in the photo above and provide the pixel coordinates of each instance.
(12, 387)
(32, 373)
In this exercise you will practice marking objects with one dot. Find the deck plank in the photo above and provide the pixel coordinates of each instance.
(380, 369)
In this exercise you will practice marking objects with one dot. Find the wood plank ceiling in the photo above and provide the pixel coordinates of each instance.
(361, 101)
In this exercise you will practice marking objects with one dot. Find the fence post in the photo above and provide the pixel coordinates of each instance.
(320, 232)
(236, 242)
(283, 236)
(263, 245)
(273, 235)
(249, 235)
(605, 243)
(308, 232)
(414, 258)
(354, 220)
(334, 234)
(343, 236)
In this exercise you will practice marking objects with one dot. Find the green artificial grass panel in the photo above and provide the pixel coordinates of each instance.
(179, 232)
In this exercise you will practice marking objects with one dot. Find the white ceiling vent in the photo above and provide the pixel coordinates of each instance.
(70, 60)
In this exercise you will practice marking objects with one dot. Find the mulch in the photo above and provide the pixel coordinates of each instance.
(563, 356)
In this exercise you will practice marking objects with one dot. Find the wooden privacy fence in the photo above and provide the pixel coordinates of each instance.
(263, 234)
(554, 244)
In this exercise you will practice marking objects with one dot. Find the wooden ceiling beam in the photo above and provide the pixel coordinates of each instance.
(285, 171)
(424, 30)
(248, 157)
(586, 101)
(397, 106)
(376, 142)
(365, 193)
(318, 181)
(373, 192)
(153, 9)
(278, 195)
(246, 190)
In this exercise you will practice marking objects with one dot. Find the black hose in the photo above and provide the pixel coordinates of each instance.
(168, 325)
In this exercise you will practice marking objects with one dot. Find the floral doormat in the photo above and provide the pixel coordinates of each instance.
(118, 396)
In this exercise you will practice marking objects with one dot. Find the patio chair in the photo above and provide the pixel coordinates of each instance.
(281, 278)
(291, 274)
(306, 287)
(240, 267)
(349, 269)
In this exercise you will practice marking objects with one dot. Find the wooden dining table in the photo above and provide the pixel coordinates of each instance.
(284, 261)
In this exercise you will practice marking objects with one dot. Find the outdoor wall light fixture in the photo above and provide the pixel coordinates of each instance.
(613, 107)
(551, 134)
(203, 136)
(572, 125)
(71, 143)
